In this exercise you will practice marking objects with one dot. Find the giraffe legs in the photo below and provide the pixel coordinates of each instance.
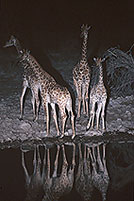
(98, 115)
(55, 118)
(79, 105)
(69, 109)
(92, 115)
(47, 119)
(72, 121)
(35, 102)
(103, 114)
(63, 117)
(46, 109)
(83, 99)
(82, 93)
(100, 110)
(87, 97)
(78, 90)
(22, 101)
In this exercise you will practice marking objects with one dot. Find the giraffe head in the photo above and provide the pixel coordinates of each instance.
(98, 61)
(84, 30)
(11, 42)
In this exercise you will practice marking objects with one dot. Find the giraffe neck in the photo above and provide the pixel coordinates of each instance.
(18, 46)
(32, 63)
(101, 74)
(30, 66)
(84, 48)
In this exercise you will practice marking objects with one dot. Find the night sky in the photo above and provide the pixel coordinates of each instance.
(49, 22)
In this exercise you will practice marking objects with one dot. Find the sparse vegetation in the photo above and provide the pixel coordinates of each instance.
(119, 71)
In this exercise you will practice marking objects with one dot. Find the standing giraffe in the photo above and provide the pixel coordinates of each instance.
(100, 177)
(98, 95)
(81, 74)
(51, 93)
(83, 181)
(29, 80)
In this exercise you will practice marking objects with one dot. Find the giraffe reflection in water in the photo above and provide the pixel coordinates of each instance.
(92, 172)
(83, 181)
(100, 177)
(34, 182)
(59, 185)
(41, 185)
(54, 178)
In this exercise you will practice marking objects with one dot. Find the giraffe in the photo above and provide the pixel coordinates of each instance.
(52, 93)
(58, 186)
(29, 80)
(34, 182)
(98, 95)
(83, 182)
(81, 74)
(100, 177)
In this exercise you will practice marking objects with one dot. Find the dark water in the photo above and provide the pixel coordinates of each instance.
(68, 172)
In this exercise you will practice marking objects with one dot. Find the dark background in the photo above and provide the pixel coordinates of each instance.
(50, 29)
(47, 23)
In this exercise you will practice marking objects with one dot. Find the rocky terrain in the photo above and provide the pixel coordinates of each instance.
(119, 111)
(119, 119)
